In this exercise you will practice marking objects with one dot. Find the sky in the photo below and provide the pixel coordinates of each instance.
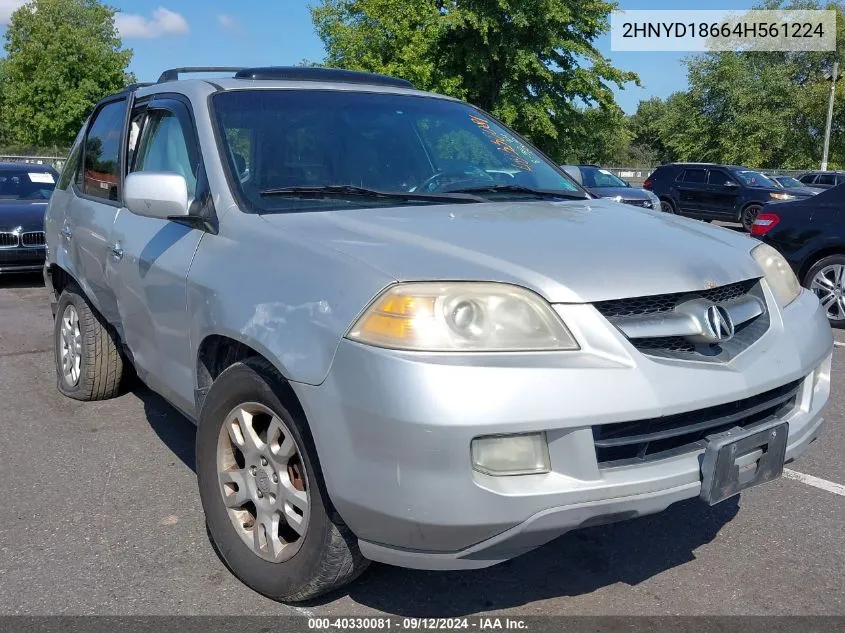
(170, 33)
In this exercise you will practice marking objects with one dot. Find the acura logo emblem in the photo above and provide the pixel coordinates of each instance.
(719, 324)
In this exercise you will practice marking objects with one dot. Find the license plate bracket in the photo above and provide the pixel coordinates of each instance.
(739, 459)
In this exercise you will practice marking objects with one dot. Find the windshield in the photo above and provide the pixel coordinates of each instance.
(25, 185)
(278, 141)
(756, 179)
(596, 177)
(789, 181)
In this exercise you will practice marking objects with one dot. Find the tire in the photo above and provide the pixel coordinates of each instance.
(833, 302)
(81, 333)
(667, 206)
(748, 215)
(326, 556)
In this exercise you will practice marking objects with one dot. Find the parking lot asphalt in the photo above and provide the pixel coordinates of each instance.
(100, 515)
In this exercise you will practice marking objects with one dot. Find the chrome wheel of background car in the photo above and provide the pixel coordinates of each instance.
(263, 481)
(749, 214)
(70, 350)
(829, 286)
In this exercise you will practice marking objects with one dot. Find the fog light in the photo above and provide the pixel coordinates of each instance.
(511, 454)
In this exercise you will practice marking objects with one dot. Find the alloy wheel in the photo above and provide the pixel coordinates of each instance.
(70, 350)
(263, 482)
(749, 214)
(829, 286)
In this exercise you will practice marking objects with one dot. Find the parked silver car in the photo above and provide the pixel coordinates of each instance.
(404, 334)
(603, 183)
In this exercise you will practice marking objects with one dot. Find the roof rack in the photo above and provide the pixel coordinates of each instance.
(173, 73)
(136, 86)
(307, 73)
(290, 73)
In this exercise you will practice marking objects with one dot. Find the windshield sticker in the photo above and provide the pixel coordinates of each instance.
(502, 143)
(605, 172)
(41, 176)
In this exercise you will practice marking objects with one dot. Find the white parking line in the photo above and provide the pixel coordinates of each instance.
(822, 484)
(838, 344)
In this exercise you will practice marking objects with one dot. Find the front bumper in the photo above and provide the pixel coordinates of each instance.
(393, 432)
(22, 259)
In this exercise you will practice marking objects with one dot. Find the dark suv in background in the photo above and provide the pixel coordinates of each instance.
(716, 192)
(823, 179)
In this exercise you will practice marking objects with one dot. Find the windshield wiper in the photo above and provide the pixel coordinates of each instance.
(351, 190)
(521, 189)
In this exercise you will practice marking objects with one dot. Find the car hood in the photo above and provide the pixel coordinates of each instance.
(627, 193)
(804, 192)
(27, 215)
(569, 252)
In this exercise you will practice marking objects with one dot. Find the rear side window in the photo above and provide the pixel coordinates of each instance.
(101, 174)
(826, 179)
(694, 176)
(807, 178)
(660, 173)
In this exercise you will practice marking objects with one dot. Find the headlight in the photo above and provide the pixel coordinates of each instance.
(779, 275)
(655, 201)
(782, 196)
(484, 317)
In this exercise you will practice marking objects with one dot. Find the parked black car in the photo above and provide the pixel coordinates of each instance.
(603, 183)
(810, 234)
(716, 192)
(24, 192)
(823, 179)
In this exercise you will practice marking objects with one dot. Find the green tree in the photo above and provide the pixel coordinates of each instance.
(62, 57)
(4, 130)
(595, 135)
(763, 109)
(646, 127)
(532, 63)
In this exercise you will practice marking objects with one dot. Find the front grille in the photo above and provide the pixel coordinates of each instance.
(639, 203)
(658, 438)
(33, 238)
(640, 306)
(8, 240)
(665, 343)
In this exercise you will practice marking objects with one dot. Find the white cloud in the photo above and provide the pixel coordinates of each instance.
(8, 7)
(163, 22)
(227, 22)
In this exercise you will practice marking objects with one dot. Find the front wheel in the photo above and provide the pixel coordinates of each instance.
(265, 502)
(826, 278)
(748, 215)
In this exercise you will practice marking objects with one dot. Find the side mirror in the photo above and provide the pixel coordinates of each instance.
(156, 194)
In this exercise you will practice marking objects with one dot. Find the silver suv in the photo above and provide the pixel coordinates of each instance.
(407, 336)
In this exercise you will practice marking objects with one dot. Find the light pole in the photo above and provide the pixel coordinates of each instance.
(833, 77)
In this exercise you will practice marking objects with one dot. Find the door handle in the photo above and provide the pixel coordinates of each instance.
(117, 251)
(67, 232)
